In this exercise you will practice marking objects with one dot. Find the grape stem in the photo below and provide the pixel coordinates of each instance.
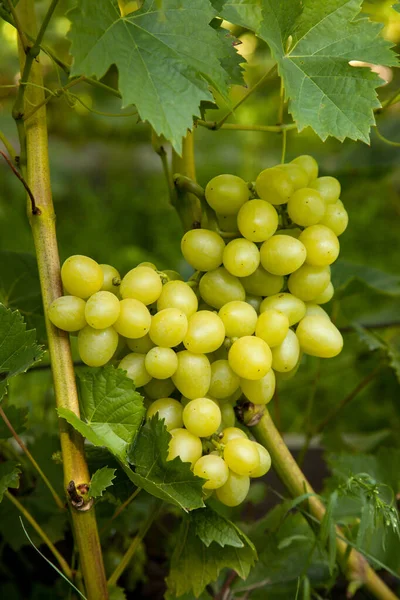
(239, 127)
(186, 201)
(9, 147)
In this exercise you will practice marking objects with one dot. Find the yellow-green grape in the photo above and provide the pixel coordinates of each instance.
(148, 264)
(161, 362)
(272, 327)
(134, 365)
(232, 399)
(68, 313)
(308, 164)
(296, 173)
(111, 279)
(241, 456)
(140, 345)
(285, 376)
(203, 249)
(97, 346)
(102, 310)
(292, 307)
(293, 232)
(226, 194)
(308, 282)
(326, 295)
(202, 417)
(335, 217)
(282, 254)
(313, 309)
(274, 185)
(224, 382)
(178, 294)
(219, 287)
(228, 222)
(254, 301)
(193, 375)
(214, 469)
(328, 187)
(185, 445)
(306, 207)
(141, 283)
(286, 355)
(234, 491)
(239, 318)
(250, 357)
(321, 244)
(257, 220)
(261, 283)
(241, 257)
(134, 319)
(206, 332)
(168, 327)
(169, 410)
(318, 336)
(260, 391)
(172, 275)
(231, 433)
(81, 276)
(228, 416)
(159, 388)
(265, 461)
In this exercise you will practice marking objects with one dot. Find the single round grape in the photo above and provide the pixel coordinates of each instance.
(97, 346)
(169, 410)
(272, 327)
(326, 295)
(224, 382)
(68, 313)
(148, 264)
(134, 319)
(328, 187)
(306, 207)
(185, 445)
(239, 318)
(257, 220)
(231, 433)
(214, 469)
(313, 309)
(232, 400)
(308, 282)
(172, 275)
(202, 417)
(321, 244)
(81, 276)
(241, 257)
(241, 456)
(134, 365)
(286, 355)
(226, 194)
(318, 336)
(219, 287)
(250, 357)
(193, 375)
(296, 173)
(262, 283)
(335, 217)
(178, 294)
(102, 310)
(265, 461)
(292, 307)
(140, 345)
(282, 254)
(206, 332)
(260, 391)
(168, 327)
(203, 249)
(254, 301)
(159, 388)
(228, 222)
(308, 164)
(234, 491)
(161, 362)
(141, 283)
(228, 417)
(274, 185)
(111, 279)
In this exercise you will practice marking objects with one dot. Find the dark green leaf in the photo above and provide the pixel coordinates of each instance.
(370, 339)
(17, 418)
(366, 526)
(9, 476)
(210, 527)
(393, 348)
(116, 593)
(247, 13)
(101, 480)
(349, 278)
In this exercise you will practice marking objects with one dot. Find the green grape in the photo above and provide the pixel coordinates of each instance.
(111, 279)
(81, 276)
(172, 275)
(282, 254)
(274, 185)
(219, 287)
(203, 249)
(178, 294)
(254, 301)
(286, 355)
(257, 220)
(292, 307)
(261, 283)
(228, 417)
(232, 399)
(202, 417)
(250, 357)
(224, 382)
(328, 187)
(296, 174)
(161, 362)
(142, 283)
(318, 336)
(335, 217)
(239, 318)
(148, 264)
(102, 310)
(241, 456)
(214, 469)
(134, 319)
(140, 345)
(306, 207)
(228, 222)
(285, 376)
(68, 313)
(260, 391)
(231, 433)
(265, 462)
(169, 410)
(97, 346)
(272, 327)
(226, 194)
(193, 375)
(134, 365)
(185, 445)
(308, 282)
(321, 244)
(234, 491)
(313, 309)
(159, 388)
(326, 295)
(293, 232)
(206, 332)
(308, 164)
(241, 257)
(168, 327)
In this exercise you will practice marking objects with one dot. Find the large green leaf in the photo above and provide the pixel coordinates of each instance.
(9, 476)
(349, 278)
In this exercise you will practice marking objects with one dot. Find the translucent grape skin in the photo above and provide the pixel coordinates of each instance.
(224, 381)
(292, 307)
(219, 287)
(313, 309)
(328, 187)
(168, 327)
(134, 319)
(260, 391)
(140, 345)
(134, 365)
(203, 249)
(178, 294)
(285, 356)
(231, 433)
(250, 357)
(318, 336)
(326, 295)
(193, 375)
(81, 276)
(321, 244)
(184, 445)
(161, 362)
(308, 282)
(212, 468)
(141, 283)
(296, 174)
(68, 313)
(234, 491)
(202, 417)
(226, 194)
(228, 417)
(241, 456)
(265, 462)
(336, 217)
(261, 283)
(308, 164)
(102, 310)
(241, 257)
(97, 346)
(282, 254)
(111, 279)
(239, 318)
(257, 220)
(306, 207)
(274, 185)
(169, 410)
(272, 327)
(159, 388)
(206, 332)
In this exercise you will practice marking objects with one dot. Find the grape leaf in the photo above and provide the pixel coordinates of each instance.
(116, 593)
(9, 476)
(210, 527)
(161, 55)
(19, 283)
(370, 339)
(349, 278)
(101, 480)
(393, 350)
(247, 13)
(17, 418)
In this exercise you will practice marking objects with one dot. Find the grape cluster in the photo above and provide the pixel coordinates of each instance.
(245, 317)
